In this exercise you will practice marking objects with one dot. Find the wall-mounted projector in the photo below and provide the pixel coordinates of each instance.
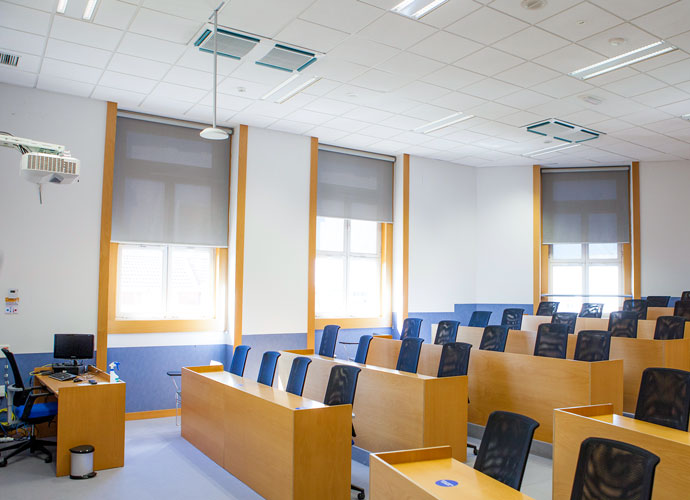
(43, 162)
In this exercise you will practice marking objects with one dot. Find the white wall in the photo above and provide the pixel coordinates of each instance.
(50, 251)
(442, 228)
(504, 235)
(664, 228)
(397, 292)
(276, 233)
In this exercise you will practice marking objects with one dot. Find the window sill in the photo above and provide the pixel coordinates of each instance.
(319, 323)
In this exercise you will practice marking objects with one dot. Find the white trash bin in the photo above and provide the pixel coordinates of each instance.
(81, 462)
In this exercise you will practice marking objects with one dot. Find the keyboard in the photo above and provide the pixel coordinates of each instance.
(62, 376)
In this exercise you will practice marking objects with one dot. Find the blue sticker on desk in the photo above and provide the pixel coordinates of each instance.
(446, 483)
(301, 408)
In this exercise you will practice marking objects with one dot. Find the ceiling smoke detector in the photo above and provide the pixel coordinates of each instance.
(616, 41)
(533, 4)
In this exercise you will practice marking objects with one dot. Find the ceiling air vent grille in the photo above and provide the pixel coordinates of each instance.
(9, 59)
(287, 58)
(563, 131)
(234, 45)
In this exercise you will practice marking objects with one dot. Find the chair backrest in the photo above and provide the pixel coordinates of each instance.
(329, 339)
(410, 328)
(638, 306)
(455, 358)
(267, 369)
(342, 384)
(547, 308)
(664, 397)
(480, 319)
(567, 319)
(505, 446)
(512, 318)
(447, 331)
(552, 340)
(592, 345)
(685, 295)
(298, 374)
(591, 310)
(19, 397)
(612, 469)
(669, 328)
(623, 324)
(239, 359)
(363, 349)
(658, 300)
(408, 358)
(682, 308)
(494, 338)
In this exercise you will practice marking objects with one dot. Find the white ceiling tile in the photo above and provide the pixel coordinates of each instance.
(403, 122)
(535, 15)
(290, 126)
(260, 74)
(85, 33)
(70, 71)
(452, 77)
(520, 119)
(12, 40)
(413, 138)
(669, 125)
(267, 108)
(490, 89)
(127, 82)
(418, 150)
(646, 116)
(346, 124)
(677, 108)
(239, 88)
(429, 113)
(642, 137)
(305, 116)
(681, 41)
(159, 25)
(64, 86)
(381, 81)
(580, 21)
(633, 38)
(531, 42)
(457, 101)
(556, 108)
(17, 77)
(80, 54)
(362, 51)
(165, 106)
(668, 21)
(396, 31)
(379, 131)
(448, 13)
(489, 61)
(358, 141)
(391, 102)
(562, 87)
(310, 36)
(262, 17)
(334, 69)
(491, 110)
(527, 75)
(368, 114)
(198, 10)
(660, 61)
(114, 14)
(569, 59)
(322, 87)
(421, 91)
(525, 99)
(662, 97)
(442, 144)
(486, 26)
(445, 47)
(23, 19)
(245, 118)
(585, 118)
(354, 95)
(330, 106)
(123, 98)
(150, 48)
(406, 63)
(673, 73)
(27, 62)
(203, 61)
(382, 4)
(225, 101)
(618, 107)
(349, 16)
(629, 9)
(390, 147)
(46, 6)
(136, 66)
(684, 86)
(180, 93)
(190, 78)
(634, 85)
(326, 134)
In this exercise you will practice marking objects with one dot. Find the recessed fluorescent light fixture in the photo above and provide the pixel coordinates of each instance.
(279, 86)
(551, 149)
(416, 9)
(61, 6)
(443, 122)
(632, 57)
(298, 89)
(88, 10)
(686, 117)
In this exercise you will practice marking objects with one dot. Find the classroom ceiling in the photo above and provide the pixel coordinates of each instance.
(383, 75)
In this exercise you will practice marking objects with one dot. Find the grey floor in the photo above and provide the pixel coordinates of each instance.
(160, 464)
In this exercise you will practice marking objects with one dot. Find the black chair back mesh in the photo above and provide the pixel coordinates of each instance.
(267, 369)
(480, 319)
(664, 397)
(410, 328)
(408, 357)
(638, 306)
(592, 345)
(363, 349)
(505, 446)
(494, 338)
(591, 310)
(567, 319)
(298, 374)
(623, 324)
(19, 397)
(342, 384)
(447, 331)
(685, 295)
(547, 308)
(658, 300)
(455, 358)
(552, 341)
(682, 308)
(608, 469)
(669, 328)
(512, 318)
(329, 339)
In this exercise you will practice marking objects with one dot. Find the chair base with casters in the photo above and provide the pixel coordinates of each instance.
(32, 444)
(473, 447)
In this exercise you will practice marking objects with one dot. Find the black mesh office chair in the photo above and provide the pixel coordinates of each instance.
(592, 345)
(455, 358)
(267, 369)
(342, 384)
(567, 319)
(512, 318)
(446, 331)
(505, 446)
(638, 306)
(685, 295)
(669, 328)
(363, 349)
(591, 310)
(623, 324)
(329, 339)
(298, 374)
(658, 300)
(664, 397)
(480, 319)
(552, 340)
(410, 328)
(608, 469)
(682, 308)
(494, 338)
(408, 357)
(547, 308)
(239, 360)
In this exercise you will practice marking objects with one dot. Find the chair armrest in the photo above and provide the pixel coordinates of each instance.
(174, 373)
(31, 399)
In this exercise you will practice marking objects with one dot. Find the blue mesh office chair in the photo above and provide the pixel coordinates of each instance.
(638, 306)
(669, 328)
(552, 340)
(363, 349)
(455, 358)
(410, 328)
(592, 345)
(567, 319)
(494, 338)
(547, 308)
(623, 324)
(658, 300)
(298, 374)
(480, 319)
(328, 341)
(447, 331)
(512, 318)
(591, 310)
(239, 360)
(267, 369)
(408, 358)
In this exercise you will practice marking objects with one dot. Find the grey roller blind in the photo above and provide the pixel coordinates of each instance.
(588, 206)
(169, 185)
(354, 187)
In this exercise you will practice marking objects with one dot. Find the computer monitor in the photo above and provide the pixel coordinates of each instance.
(73, 346)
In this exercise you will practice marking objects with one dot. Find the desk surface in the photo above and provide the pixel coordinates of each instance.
(54, 386)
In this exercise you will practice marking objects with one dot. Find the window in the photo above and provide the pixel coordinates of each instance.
(592, 272)
(348, 268)
(165, 282)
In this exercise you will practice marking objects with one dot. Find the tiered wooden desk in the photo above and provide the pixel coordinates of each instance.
(654, 312)
(526, 384)
(89, 414)
(393, 410)
(279, 444)
(645, 327)
(574, 425)
(412, 474)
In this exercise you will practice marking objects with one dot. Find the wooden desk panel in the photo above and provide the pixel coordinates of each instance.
(574, 425)
(394, 410)
(279, 444)
(645, 327)
(412, 475)
(654, 312)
